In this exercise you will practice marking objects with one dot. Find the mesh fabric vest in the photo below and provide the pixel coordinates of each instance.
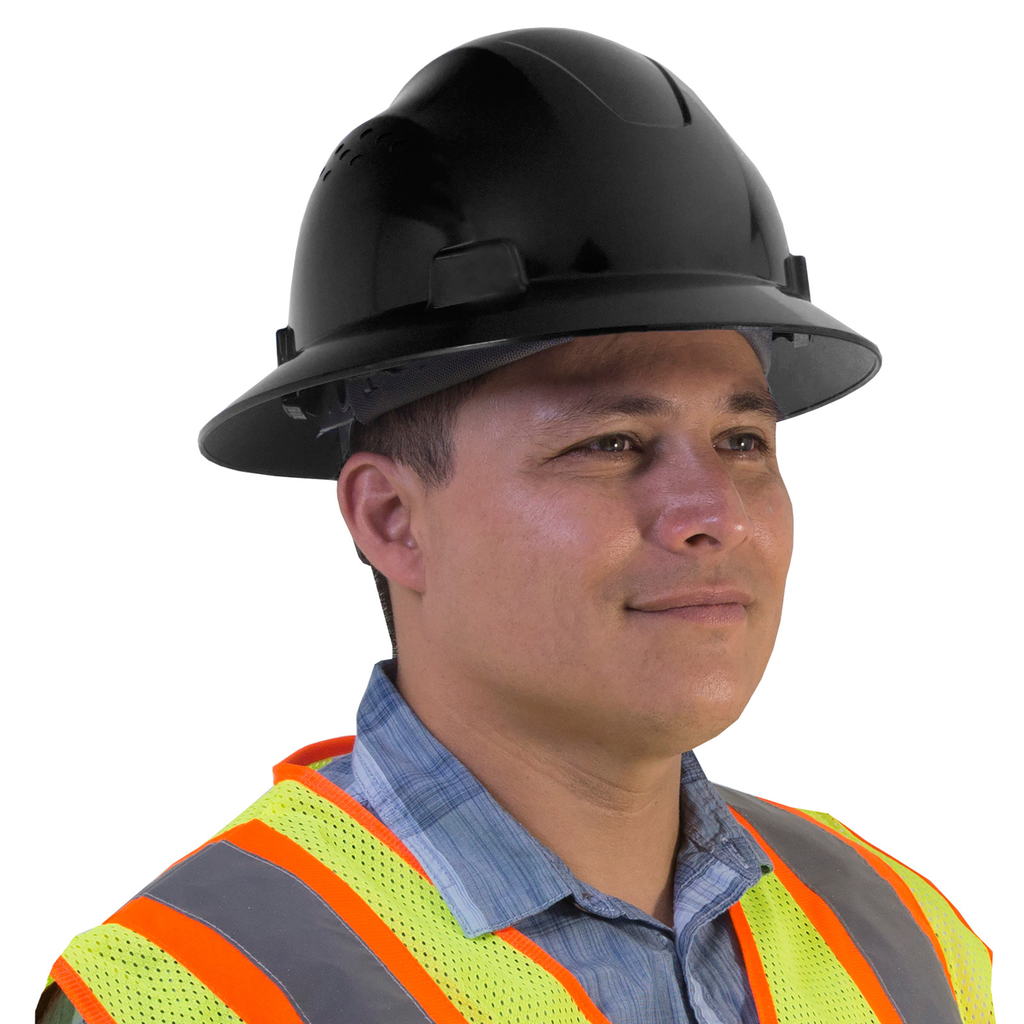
(308, 910)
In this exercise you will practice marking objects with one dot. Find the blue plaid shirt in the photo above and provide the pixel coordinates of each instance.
(493, 874)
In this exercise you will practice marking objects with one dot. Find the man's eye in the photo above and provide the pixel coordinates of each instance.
(613, 444)
(747, 443)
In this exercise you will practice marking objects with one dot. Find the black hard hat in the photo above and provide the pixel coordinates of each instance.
(530, 186)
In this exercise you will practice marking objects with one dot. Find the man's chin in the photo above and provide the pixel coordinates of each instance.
(653, 731)
(699, 708)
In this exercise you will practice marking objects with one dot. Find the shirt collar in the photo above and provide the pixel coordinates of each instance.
(488, 869)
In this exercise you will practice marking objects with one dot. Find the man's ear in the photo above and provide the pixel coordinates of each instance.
(378, 498)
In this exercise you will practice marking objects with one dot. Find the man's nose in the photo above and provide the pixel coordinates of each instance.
(697, 504)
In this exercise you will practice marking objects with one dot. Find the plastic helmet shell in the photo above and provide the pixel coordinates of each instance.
(534, 184)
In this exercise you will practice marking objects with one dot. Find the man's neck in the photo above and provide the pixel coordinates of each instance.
(617, 834)
(613, 820)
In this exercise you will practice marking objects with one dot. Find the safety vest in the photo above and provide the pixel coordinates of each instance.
(307, 910)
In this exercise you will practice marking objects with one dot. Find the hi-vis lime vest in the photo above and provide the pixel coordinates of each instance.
(308, 910)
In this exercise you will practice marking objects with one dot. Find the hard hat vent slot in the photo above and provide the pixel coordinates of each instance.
(364, 142)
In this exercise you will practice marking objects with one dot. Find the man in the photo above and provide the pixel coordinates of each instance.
(544, 321)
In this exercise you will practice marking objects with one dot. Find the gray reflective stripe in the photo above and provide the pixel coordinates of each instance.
(290, 933)
(901, 955)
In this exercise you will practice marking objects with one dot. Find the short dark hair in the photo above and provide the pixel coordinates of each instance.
(420, 434)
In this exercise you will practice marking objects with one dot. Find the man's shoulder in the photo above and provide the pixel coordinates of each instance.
(282, 857)
(840, 879)
(97, 953)
(797, 839)
(795, 832)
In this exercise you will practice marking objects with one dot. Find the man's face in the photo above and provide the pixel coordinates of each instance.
(608, 561)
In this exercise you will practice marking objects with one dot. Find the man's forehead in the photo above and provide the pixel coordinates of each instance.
(634, 374)
(635, 353)
(568, 407)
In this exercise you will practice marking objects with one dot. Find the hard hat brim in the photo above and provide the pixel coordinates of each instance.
(815, 358)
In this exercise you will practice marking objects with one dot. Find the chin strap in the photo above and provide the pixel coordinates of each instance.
(384, 594)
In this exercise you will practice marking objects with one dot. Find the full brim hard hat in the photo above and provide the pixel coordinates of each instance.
(539, 184)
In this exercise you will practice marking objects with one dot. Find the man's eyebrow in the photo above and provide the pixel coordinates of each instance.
(597, 406)
(753, 400)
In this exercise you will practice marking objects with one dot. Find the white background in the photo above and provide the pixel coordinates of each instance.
(173, 628)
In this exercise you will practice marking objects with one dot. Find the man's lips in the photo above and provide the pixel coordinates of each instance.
(709, 607)
(694, 599)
